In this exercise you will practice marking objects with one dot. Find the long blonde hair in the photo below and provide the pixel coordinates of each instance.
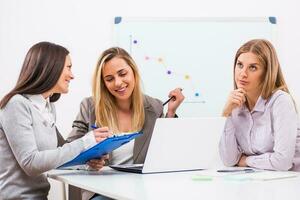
(105, 106)
(267, 57)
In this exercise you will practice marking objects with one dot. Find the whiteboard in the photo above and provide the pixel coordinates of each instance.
(196, 54)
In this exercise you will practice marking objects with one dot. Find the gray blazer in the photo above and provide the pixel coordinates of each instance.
(28, 148)
(86, 117)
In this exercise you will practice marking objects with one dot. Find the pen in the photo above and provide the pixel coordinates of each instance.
(168, 100)
(236, 170)
(94, 126)
(172, 97)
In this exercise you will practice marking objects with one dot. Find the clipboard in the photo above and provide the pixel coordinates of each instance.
(101, 148)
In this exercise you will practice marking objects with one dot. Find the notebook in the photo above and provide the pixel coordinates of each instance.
(181, 144)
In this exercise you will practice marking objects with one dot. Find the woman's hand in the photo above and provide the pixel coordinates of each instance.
(175, 101)
(97, 164)
(236, 99)
(242, 161)
(101, 133)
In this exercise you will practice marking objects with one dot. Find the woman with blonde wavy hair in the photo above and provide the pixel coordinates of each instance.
(119, 104)
(262, 128)
(106, 107)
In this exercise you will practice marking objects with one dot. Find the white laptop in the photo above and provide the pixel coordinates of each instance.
(181, 144)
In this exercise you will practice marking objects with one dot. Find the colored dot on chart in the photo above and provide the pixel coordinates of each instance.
(169, 72)
(147, 58)
(134, 41)
(160, 59)
(197, 94)
(187, 77)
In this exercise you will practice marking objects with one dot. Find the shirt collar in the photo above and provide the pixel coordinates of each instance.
(40, 102)
(259, 106)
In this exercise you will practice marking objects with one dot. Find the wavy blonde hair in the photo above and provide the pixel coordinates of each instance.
(105, 104)
(267, 57)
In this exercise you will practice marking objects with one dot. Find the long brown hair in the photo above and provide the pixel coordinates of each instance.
(105, 107)
(267, 57)
(41, 70)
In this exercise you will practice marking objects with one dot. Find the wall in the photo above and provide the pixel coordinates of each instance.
(85, 28)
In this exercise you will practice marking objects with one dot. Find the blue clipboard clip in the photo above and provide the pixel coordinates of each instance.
(101, 148)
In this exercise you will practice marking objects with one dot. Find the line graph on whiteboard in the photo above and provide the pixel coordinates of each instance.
(154, 66)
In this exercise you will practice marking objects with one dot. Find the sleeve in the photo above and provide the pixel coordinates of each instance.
(60, 139)
(160, 108)
(88, 140)
(284, 123)
(154, 104)
(229, 150)
(82, 122)
(17, 124)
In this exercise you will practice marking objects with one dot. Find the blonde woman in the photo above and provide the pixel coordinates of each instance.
(119, 104)
(262, 128)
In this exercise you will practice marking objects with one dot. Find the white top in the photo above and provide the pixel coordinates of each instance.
(44, 108)
(123, 154)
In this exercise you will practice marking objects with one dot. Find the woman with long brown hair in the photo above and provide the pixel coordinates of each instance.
(29, 139)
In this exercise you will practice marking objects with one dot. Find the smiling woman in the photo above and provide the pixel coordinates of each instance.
(29, 139)
(119, 104)
(262, 128)
(62, 85)
(119, 79)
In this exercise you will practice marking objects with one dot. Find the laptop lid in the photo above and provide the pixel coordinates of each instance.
(180, 144)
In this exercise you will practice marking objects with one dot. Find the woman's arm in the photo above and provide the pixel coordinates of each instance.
(82, 124)
(176, 99)
(228, 146)
(284, 124)
(81, 128)
(36, 153)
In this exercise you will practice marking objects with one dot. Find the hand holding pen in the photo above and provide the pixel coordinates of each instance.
(101, 133)
(176, 98)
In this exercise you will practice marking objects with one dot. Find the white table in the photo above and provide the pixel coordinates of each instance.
(179, 185)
